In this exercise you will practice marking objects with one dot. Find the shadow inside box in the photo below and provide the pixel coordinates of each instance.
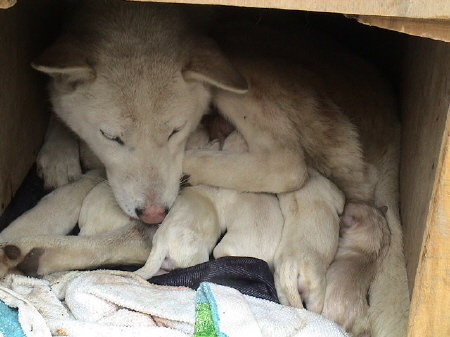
(27, 196)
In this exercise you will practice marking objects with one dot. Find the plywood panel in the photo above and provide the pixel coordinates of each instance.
(22, 94)
(402, 8)
(430, 306)
(433, 29)
(426, 101)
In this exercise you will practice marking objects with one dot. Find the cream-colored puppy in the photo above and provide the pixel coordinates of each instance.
(253, 221)
(365, 237)
(253, 224)
(37, 242)
(309, 242)
(100, 213)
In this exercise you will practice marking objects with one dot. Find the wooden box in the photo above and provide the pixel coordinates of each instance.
(419, 66)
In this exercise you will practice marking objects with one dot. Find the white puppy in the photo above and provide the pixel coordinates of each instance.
(100, 213)
(253, 224)
(253, 221)
(365, 237)
(309, 242)
(55, 214)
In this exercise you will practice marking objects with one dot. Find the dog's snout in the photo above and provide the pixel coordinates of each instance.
(152, 214)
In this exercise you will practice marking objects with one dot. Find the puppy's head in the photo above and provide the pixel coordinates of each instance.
(364, 227)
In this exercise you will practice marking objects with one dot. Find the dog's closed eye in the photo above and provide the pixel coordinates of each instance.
(175, 131)
(116, 139)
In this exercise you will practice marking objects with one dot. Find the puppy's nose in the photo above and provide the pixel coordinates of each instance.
(151, 214)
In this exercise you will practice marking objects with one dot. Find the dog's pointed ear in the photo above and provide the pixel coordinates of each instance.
(210, 66)
(66, 63)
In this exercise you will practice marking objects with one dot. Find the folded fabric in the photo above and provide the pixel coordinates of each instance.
(248, 275)
(32, 324)
(104, 303)
(121, 304)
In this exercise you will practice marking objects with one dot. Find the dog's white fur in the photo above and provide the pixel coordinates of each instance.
(133, 80)
(309, 242)
(253, 222)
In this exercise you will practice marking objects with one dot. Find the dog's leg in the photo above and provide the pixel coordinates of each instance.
(188, 234)
(56, 214)
(389, 296)
(275, 172)
(41, 255)
(309, 242)
(58, 161)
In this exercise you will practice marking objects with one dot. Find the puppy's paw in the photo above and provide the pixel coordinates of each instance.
(58, 166)
(300, 281)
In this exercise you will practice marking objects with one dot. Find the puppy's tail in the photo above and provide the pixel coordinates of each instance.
(154, 261)
(389, 295)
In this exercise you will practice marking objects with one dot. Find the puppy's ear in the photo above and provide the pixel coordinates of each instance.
(66, 63)
(209, 65)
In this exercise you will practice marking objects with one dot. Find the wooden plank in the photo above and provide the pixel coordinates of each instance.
(23, 100)
(437, 9)
(430, 306)
(425, 106)
(433, 29)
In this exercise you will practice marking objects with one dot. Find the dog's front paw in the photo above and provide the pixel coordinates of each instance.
(300, 281)
(57, 165)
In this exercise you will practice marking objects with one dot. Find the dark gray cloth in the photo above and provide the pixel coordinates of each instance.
(248, 275)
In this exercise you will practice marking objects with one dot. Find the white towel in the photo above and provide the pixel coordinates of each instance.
(121, 304)
(238, 315)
